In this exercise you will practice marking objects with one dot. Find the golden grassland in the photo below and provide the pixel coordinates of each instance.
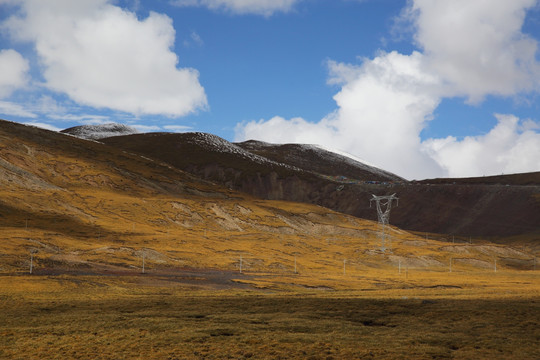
(88, 299)
(424, 316)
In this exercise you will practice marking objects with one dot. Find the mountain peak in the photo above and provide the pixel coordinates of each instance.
(96, 132)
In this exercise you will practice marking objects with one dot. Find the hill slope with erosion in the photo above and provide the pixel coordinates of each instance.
(228, 164)
(71, 206)
(495, 207)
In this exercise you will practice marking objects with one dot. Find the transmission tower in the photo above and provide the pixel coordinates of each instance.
(384, 205)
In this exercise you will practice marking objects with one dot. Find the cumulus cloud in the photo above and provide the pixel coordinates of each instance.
(477, 47)
(13, 72)
(382, 107)
(258, 7)
(469, 49)
(103, 56)
(507, 148)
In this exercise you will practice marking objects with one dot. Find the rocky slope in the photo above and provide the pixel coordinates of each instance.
(482, 207)
(307, 174)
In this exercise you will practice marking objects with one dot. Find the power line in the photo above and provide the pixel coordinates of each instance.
(384, 205)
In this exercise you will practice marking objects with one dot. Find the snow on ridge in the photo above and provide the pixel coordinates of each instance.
(332, 155)
(258, 143)
(352, 160)
(218, 144)
(96, 132)
(343, 154)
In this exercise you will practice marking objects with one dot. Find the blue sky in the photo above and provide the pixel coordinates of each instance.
(422, 88)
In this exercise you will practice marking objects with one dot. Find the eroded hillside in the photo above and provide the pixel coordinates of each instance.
(74, 206)
(493, 207)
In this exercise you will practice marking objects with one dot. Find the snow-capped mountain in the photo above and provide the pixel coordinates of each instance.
(97, 132)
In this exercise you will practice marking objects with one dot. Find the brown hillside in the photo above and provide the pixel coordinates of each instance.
(88, 208)
(495, 207)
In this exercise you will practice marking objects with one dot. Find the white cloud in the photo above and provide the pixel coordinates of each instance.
(383, 105)
(43, 126)
(258, 7)
(49, 106)
(278, 130)
(85, 119)
(146, 128)
(105, 57)
(194, 39)
(13, 72)
(477, 47)
(13, 76)
(12, 109)
(507, 148)
(470, 49)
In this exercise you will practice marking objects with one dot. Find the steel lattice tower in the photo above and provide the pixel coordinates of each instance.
(384, 205)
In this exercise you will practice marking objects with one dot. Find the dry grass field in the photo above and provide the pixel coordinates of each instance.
(300, 282)
(159, 317)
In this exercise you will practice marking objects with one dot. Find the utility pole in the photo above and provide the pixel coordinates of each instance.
(344, 270)
(143, 258)
(32, 252)
(384, 205)
(295, 265)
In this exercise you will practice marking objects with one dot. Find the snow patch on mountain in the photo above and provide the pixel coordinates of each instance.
(217, 144)
(353, 160)
(304, 155)
(96, 132)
